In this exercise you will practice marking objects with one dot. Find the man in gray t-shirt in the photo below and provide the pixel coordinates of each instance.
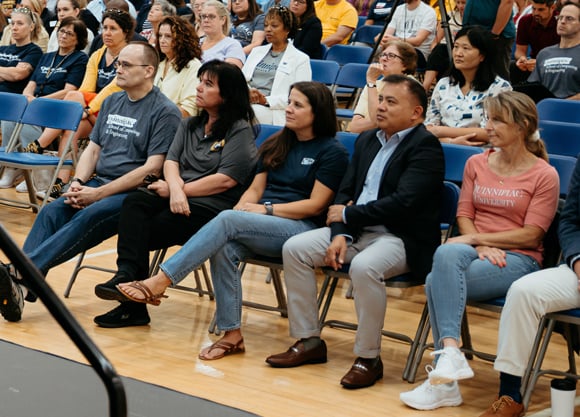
(557, 65)
(132, 134)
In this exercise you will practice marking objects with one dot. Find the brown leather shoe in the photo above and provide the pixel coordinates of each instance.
(363, 373)
(504, 406)
(297, 355)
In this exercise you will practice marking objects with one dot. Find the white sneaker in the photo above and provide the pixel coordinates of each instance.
(10, 177)
(451, 366)
(22, 187)
(429, 397)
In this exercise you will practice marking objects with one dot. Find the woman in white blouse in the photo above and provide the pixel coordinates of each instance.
(455, 113)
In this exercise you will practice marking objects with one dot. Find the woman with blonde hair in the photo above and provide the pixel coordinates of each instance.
(215, 23)
(39, 34)
(508, 200)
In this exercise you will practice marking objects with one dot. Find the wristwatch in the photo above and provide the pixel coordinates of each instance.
(371, 85)
(81, 182)
(269, 208)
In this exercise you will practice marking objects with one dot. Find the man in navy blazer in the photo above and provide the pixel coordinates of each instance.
(385, 222)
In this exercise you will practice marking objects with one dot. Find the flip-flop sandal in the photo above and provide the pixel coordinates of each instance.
(148, 296)
(227, 347)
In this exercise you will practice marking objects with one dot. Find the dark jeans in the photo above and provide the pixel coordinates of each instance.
(147, 223)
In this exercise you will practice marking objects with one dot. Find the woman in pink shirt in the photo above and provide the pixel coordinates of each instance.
(508, 200)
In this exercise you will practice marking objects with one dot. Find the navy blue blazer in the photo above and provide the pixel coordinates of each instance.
(569, 228)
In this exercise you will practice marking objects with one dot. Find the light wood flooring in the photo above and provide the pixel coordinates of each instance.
(165, 353)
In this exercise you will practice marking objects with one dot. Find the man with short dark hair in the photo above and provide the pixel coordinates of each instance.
(557, 66)
(536, 31)
(129, 141)
(384, 223)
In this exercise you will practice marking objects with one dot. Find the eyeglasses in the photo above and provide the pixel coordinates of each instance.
(127, 65)
(209, 17)
(66, 33)
(389, 55)
(566, 19)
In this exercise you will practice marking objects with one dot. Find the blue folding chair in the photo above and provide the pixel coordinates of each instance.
(12, 107)
(344, 54)
(264, 131)
(561, 138)
(45, 112)
(352, 76)
(455, 158)
(347, 139)
(565, 166)
(366, 34)
(324, 71)
(559, 110)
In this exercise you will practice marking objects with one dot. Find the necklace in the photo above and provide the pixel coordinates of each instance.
(54, 68)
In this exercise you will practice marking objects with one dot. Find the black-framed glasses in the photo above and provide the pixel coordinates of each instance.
(389, 55)
(127, 65)
(66, 33)
(210, 17)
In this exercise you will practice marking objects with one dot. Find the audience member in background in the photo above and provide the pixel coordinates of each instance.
(379, 11)
(209, 165)
(361, 6)
(416, 23)
(438, 61)
(508, 199)
(339, 19)
(215, 22)
(197, 5)
(98, 41)
(557, 66)
(536, 31)
(159, 9)
(384, 222)
(98, 84)
(180, 56)
(529, 299)
(99, 7)
(309, 32)
(497, 17)
(271, 69)
(247, 24)
(90, 20)
(287, 197)
(67, 8)
(455, 113)
(398, 57)
(57, 73)
(128, 143)
(39, 35)
(47, 16)
(181, 8)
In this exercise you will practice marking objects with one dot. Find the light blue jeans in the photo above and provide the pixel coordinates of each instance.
(61, 232)
(227, 240)
(458, 275)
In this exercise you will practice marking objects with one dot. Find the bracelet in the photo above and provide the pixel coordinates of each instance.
(81, 182)
(88, 111)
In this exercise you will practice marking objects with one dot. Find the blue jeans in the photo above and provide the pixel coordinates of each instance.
(227, 240)
(458, 275)
(61, 232)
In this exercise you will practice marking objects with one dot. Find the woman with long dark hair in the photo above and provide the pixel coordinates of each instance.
(299, 171)
(455, 112)
(309, 32)
(209, 165)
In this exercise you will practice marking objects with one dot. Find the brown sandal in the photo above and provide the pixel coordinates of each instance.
(149, 297)
(227, 347)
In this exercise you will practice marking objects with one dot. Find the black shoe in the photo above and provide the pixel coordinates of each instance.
(109, 291)
(11, 298)
(124, 315)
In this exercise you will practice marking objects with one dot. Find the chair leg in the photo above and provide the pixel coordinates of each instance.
(534, 353)
(466, 337)
(279, 290)
(417, 347)
(207, 282)
(73, 277)
(328, 301)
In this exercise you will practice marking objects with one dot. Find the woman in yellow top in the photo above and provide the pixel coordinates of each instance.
(98, 84)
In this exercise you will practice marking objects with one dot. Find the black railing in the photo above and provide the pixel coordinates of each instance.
(35, 281)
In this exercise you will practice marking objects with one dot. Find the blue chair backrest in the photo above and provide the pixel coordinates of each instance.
(455, 158)
(264, 132)
(324, 71)
(367, 33)
(12, 107)
(565, 166)
(559, 110)
(449, 204)
(352, 75)
(561, 138)
(347, 139)
(343, 54)
(56, 114)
